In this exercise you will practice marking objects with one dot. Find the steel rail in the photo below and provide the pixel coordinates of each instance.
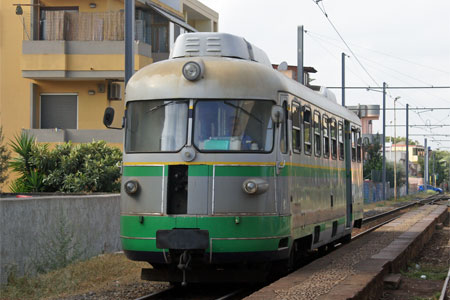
(156, 294)
(444, 287)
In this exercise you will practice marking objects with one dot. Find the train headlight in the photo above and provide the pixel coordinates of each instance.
(255, 186)
(131, 187)
(250, 187)
(193, 70)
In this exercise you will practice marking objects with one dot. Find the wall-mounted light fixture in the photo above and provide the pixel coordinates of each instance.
(92, 5)
(19, 10)
(91, 92)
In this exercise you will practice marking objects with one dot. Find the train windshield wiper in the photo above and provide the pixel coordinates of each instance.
(164, 104)
(245, 112)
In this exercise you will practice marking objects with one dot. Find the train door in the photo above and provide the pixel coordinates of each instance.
(348, 174)
(282, 157)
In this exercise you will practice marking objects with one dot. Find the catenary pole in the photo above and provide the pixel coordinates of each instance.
(384, 142)
(343, 79)
(129, 39)
(407, 150)
(300, 75)
(426, 167)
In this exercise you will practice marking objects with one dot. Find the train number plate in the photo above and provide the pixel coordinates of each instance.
(183, 239)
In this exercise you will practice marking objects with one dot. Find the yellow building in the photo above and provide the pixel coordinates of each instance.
(62, 61)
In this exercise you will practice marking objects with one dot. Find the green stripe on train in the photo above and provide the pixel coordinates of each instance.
(259, 229)
(244, 171)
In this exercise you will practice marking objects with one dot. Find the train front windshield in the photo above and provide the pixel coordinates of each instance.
(233, 125)
(218, 126)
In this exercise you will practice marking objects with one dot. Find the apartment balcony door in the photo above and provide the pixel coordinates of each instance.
(59, 111)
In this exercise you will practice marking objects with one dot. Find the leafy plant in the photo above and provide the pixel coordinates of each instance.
(90, 167)
(30, 179)
(4, 157)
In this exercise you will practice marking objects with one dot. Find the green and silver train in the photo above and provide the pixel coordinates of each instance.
(230, 168)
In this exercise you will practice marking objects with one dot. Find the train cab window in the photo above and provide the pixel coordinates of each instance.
(283, 132)
(307, 135)
(296, 138)
(317, 141)
(358, 145)
(341, 140)
(333, 131)
(156, 126)
(353, 143)
(233, 125)
(326, 136)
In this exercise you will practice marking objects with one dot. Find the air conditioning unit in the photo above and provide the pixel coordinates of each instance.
(114, 91)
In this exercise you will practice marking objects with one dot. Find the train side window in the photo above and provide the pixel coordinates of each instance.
(307, 135)
(341, 140)
(353, 143)
(333, 138)
(326, 136)
(358, 146)
(317, 141)
(283, 132)
(296, 137)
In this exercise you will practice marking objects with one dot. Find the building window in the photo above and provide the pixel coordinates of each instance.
(296, 137)
(333, 130)
(326, 136)
(59, 111)
(307, 129)
(341, 140)
(317, 141)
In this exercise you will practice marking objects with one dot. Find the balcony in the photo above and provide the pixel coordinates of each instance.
(80, 45)
(58, 59)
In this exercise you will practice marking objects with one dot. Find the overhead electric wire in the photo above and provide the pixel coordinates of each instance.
(383, 53)
(342, 39)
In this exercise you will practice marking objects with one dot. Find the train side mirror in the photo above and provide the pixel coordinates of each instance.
(108, 117)
(277, 114)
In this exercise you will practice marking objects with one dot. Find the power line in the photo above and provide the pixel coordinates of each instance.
(386, 54)
(390, 87)
(430, 125)
(342, 39)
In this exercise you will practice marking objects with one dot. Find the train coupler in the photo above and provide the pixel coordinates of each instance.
(185, 259)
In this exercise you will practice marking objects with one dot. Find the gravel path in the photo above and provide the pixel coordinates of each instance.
(322, 281)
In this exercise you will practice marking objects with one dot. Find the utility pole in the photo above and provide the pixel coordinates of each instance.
(300, 75)
(129, 39)
(395, 152)
(426, 167)
(343, 79)
(434, 168)
(407, 149)
(384, 142)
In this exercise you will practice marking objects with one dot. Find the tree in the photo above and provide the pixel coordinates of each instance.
(441, 162)
(373, 159)
(400, 140)
(4, 158)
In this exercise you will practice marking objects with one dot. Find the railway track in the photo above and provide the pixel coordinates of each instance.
(220, 292)
(200, 292)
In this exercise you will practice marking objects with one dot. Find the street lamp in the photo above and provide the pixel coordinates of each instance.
(395, 152)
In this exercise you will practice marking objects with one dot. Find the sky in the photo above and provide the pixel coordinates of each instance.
(401, 42)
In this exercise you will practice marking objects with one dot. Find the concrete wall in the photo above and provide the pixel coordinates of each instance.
(27, 224)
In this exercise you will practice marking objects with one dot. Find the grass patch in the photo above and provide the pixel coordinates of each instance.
(98, 273)
(431, 272)
(392, 202)
(434, 297)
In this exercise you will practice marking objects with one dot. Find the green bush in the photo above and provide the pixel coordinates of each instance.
(4, 157)
(68, 168)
